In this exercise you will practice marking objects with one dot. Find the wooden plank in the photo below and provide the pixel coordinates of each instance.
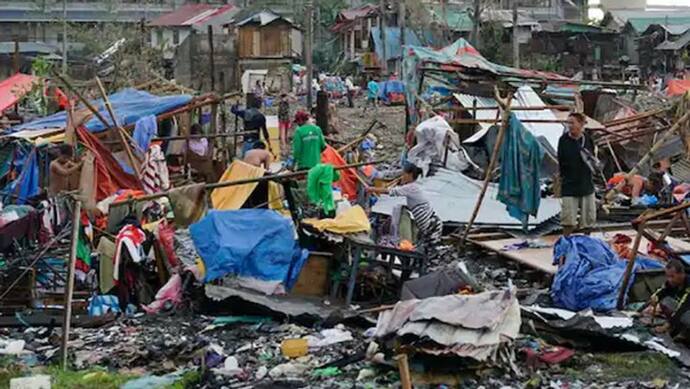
(541, 259)
(538, 259)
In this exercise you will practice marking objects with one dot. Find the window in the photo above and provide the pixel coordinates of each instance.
(176, 37)
(159, 38)
(59, 37)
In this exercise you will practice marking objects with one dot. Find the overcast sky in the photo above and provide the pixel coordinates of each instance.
(668, 2)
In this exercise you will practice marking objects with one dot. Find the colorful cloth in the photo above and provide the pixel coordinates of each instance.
(100, 305)
(320, 186)
(307, 144)
(132, 239)
(154, 171)
(519, 187)
(233, 197)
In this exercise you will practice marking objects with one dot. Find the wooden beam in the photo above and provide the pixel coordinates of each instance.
(69, 288)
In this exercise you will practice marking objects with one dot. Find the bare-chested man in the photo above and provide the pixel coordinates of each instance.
(64, 171)
(258, 156)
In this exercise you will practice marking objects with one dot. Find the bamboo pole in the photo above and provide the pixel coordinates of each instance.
(478, 121)
(629, 267)
(535, 108)
(132, 160)
(404, 369)
(69, 290)
(198, 136)
(634, 118)
(660, 142)
(223, 184)
(360, 138)
(505, 105)
(615, 158)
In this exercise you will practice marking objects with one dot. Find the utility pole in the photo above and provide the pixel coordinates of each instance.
(308, 48)
(64, 36)
(401, 23)
(516, 40)
(476, 15)
(382, 32)
(211, 59)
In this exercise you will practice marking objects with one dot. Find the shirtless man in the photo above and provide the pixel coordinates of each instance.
(63, 171)
(258, 156)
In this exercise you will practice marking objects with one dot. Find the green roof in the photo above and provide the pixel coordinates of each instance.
(579, 27)
(641, 24)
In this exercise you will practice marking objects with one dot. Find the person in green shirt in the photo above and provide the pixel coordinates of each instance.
(307, 143)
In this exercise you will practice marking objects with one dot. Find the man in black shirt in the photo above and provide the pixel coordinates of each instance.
(577, 187)
(254, 120)
(673, 301)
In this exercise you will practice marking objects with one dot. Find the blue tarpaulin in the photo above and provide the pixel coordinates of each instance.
(592, 274)
(390, 86)
(129, 106)
(26, 185)
(257, 243)
(393, 46)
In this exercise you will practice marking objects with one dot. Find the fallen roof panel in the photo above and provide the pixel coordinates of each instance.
(454, 195)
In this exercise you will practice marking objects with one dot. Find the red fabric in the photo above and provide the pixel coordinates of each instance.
(677, 87)
(62, 99)
(109, 175)
(348, 179)
(14, 88)
(166, 238)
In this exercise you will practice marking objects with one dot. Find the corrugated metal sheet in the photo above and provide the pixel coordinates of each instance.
(549, 133)
(454, 195)
(675, 45)
(191, 14)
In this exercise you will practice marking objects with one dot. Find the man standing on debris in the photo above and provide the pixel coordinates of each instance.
(258, 156)
(428, 223)
(64, 171)
(254, 120)
(350, 86)
(307, 143)
(577, 186)
(672, 300)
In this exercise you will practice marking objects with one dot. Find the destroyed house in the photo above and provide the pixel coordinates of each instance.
(633, 24)
(352, 28)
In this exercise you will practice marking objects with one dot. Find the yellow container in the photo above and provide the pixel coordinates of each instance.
(294, 348)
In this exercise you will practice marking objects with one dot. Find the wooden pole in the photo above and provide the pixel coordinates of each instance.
(69, 290)
(15, 59)
(516, 41)
(223, 184)
(404, 369)
(629, 267)
(132, 160)
(505, 105)
(382, 33)
(615, 158)
(211, 61)
(308, 50)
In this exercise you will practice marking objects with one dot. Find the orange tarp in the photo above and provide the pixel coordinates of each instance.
(677, 87)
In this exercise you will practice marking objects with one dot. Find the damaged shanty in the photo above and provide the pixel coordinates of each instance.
(152, 236)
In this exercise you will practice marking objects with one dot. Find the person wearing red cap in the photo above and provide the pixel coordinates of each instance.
(307, 143)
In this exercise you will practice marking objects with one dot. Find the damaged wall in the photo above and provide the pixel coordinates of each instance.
(191, 66)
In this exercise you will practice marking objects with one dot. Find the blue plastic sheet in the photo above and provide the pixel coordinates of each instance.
(592, 275)
(26, 185)
(258, 243)
(390, 86)
(129, 106)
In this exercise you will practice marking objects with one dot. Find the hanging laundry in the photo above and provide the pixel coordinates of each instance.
(521, 157)
(320, 186)
(233, 197)
(154, 171)
(188, 203)
(132, 238)
(144, 130)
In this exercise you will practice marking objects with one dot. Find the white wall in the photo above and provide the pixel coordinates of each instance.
(167, 35)
(297, 42)
(608, 5)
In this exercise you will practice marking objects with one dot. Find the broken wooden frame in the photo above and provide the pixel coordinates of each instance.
(642, 224)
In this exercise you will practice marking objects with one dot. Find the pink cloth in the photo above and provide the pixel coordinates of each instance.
(171, 291)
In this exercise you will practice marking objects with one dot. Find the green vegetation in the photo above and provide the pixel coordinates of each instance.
(607, 367)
